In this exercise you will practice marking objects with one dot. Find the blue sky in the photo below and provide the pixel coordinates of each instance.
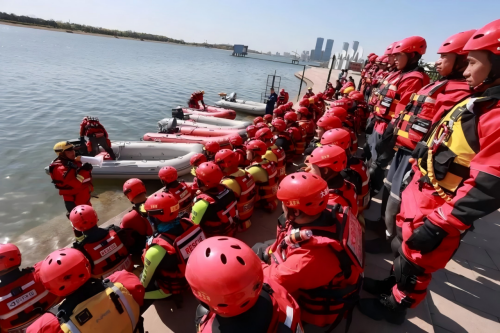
(275, 25)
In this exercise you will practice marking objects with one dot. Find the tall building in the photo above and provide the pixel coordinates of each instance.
(312, 55)
(328, 50)
(318, 48)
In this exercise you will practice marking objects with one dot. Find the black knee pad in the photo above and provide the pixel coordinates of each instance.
(406, 273)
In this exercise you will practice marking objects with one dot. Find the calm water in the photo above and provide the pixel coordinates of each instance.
(50, 80)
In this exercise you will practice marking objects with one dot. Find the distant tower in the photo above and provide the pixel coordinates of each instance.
(318, 48)
(328, 50)
(355, 45)
(345, 47)
(312, 55)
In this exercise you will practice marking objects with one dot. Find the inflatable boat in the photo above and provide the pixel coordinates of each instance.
(139, 159)
(211, 111)
(240, 105)
(211, 122)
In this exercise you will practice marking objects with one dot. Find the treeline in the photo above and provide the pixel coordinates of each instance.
(98, 30)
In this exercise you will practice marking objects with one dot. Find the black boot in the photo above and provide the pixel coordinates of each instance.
(377, 225)
(378, 245)
(384, 308)
(379, 287)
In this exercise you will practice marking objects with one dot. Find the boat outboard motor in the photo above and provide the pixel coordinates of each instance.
(231, 97)
(179, 114)
(80, 147)
(167, 126)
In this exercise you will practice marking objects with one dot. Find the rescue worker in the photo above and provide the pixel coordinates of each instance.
(271, 101)
(195, 161)
(135, 224)
(325, 123)
(329, 91)
(179, 189)
(115, 301)
(413, 124)
(309, 93)
(319, 100)
(267, 119)
(283, 98)
(98, 136)
(297, 133)
(257, 120)
(241, 183)
(279, 112)
(262, 304)
(168, 250)
(214, 208)
(284, 141)
(304, 120)
(195, 99)
(264, 173)
(274, 153)
(308, 257)
(102, 246)
(251, 132)
(447, 194)
(210, 149)
(236, 142)
(370, 73)
(342, 114)
(24, 298)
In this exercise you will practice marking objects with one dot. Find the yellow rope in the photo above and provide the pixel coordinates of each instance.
(434, 182)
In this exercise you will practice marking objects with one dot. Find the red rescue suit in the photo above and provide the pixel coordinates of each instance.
(298, 136)
(92, 127)
(329, 92)
(309, 127)
(242, 155)
(23, 299)
(195, 99)
(246, 198)
(308, 95)
(266, 191)
(289, 149)
(281, 159)
(136, 229)
(342, 192)
(358, 166)
(184, 195)
(282, 99)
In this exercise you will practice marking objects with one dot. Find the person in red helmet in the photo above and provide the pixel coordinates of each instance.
(168, 250)
(237, 145)
(251, 132)
(296, 132)
(392, 100)
(305, 121)
(325, 123)
(274, 153)
(283, 141)
(257, 120)
(260, 126)
(180, 190)
(241, 183)
(359, 111)
(98, 136)
(210, 149)
(282, 98)
(261, 305)
(307, 238)
(195, 99)
(443, 199)
(214, 209)
(329, 91)
(268, 118)
(24, 298)
(265, 175)
(115, 301)
(413, 123)
(279, 112)
(342, 114)
(195, 161)
(369, 75)
(328, 162)
(104, 247)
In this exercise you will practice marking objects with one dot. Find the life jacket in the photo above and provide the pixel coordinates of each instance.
(416, 120)
(280, 161)
(60, 170)
(182, 192)
(219, 217)
(107, 255)
(289, 153)
(174, 282)
(298, 136)
(197, 96)
(267, 190)
(457, 144)
(345, 196)
(113, 309)
(246, 199)
(285, 311)
(23, 299)
(309, 127)
(344, 236)
(358, 166)
(389, 97)
(94, 128)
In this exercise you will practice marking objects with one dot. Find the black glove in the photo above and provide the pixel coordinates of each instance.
(87, 167)
(426, 238)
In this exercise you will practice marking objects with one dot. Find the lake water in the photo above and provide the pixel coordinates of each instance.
(50, 80)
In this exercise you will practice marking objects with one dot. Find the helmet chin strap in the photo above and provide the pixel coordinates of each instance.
(290, 216)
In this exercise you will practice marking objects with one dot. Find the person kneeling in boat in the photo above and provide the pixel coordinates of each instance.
(195, 99)
(180, 190)
(98, 136)
(265, 174)
(274, 153)
(167, 251)
(308, 257)
(214, 208)
(220, 269)
(325, 123)
(241, 183)
(135, 224)
(210, 149)
(24, 298)
(102, 246)
(90, 305)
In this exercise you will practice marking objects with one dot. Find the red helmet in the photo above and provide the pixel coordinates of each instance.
(289, 104)
(411, 44)
(251, 131)
(236, 140)
(264, 134)
(329, 121)
(257, 146)
(282, 91)
(487, 38)
(338, 137)
(197, 159)
(304, 102)
(279, 124)
(339, 112)
(384, 59)
(303, 111)
(260, 126)
(456, 43)
(329, 156)
(209, 174)
(371, 54)
(162, 206)
(167, 174)
(373, 58)
(212, 147)
(83, 217)
(133, 187)
(238, 280)
(226, 158)
(305, 192)
(319, 96)
(279, 111)
(379, 59)
(10, 256)
(291, 117)
(341, 103)
(64, 271)
(357, 96)
(268, 118)
(389, 48)
(257, 120)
